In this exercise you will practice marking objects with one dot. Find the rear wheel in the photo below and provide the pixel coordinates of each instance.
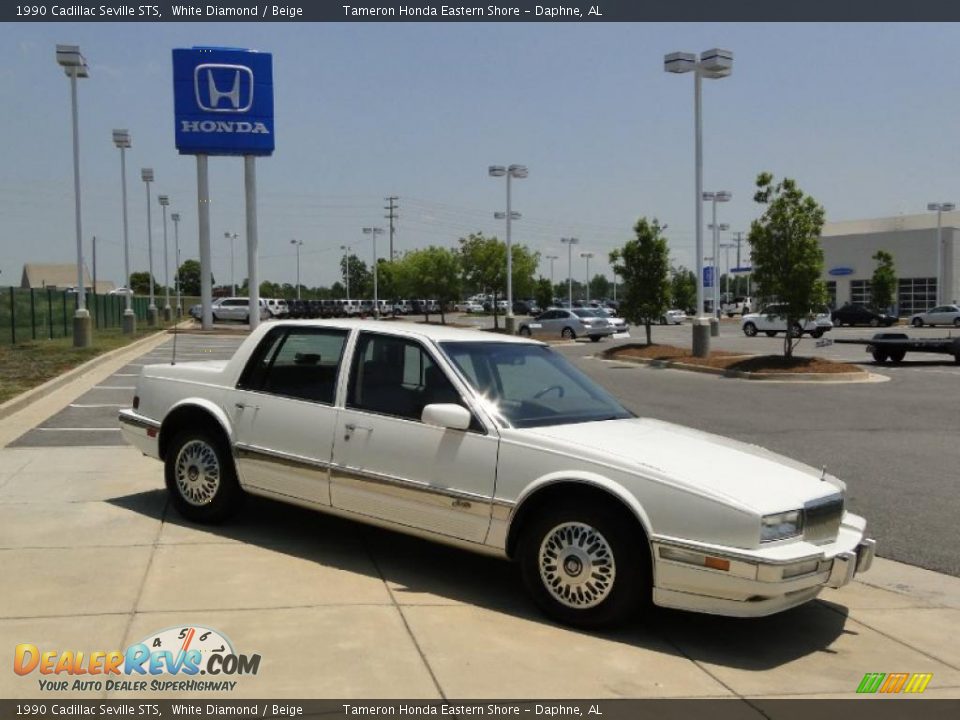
(880, 356)
(796, 331)
(525, 331)
(594, 338)
(568, 334)
(874, 322)
(585, 566)
(749, 329)
(956, 322)
(817, 333)
(917, 322)
(200, 476)
(896, 356)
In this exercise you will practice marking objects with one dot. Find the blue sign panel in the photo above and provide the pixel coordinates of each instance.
(223, 101)
(841, 271)
(708, 276)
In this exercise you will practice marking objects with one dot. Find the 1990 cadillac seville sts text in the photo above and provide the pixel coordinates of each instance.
(498, 444)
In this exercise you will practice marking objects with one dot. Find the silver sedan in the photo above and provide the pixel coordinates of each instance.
(940, 315)
(568, 324)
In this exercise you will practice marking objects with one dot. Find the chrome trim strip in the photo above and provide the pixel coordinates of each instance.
(243, 451)
(128, 417)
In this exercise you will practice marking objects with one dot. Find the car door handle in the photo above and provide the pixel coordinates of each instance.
(350, 428)
(242, 406)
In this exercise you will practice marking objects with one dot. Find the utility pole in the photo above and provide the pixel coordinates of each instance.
(94, 264)
(391, 216)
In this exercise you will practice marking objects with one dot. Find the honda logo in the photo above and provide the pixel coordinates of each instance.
(223, 88)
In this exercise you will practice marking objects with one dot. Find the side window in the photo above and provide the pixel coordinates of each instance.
(396, 376)
(304, 365)
(256, 369)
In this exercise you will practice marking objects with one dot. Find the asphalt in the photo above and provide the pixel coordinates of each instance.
(99, 560)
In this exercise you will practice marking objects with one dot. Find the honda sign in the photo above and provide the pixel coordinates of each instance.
(223, 101)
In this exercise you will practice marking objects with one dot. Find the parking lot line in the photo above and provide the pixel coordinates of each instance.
(113, 387)
(87, 429)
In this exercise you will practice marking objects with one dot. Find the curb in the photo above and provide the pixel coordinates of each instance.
(845, 377)
(20, 401)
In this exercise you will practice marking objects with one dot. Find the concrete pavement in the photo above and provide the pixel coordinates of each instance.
(94, 558)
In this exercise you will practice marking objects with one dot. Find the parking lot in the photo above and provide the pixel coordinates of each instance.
(103, 560)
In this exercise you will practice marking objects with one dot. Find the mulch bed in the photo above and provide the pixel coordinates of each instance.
(732, 361)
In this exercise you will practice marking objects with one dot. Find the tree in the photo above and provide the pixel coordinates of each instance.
(683, 288)
(599, 287)
(190, 277)
(432, 273)
(644, 263)
(361, 278)
(543, 293)
(786, 254)
(883, 285)
(140, 284)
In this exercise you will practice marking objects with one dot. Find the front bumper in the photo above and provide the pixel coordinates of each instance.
(141, 432)
(762, 582)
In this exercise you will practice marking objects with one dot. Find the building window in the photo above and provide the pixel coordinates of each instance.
(917, 295)
(860, 292)
(832, 293)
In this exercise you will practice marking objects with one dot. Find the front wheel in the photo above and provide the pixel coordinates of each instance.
(750, 330)
(796, 331)
(874, 322)
(525, 331)
(879, 356)
(956, 322)
(917, 322)
(584, 566)
(594, 338)
(817, 333)
(201, 478)
(568, 334)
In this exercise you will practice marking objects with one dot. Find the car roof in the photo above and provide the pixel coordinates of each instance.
(437, 333)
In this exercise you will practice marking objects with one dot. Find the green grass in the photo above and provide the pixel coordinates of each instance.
(31, 363)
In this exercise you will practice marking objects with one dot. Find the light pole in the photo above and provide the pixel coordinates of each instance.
(373, 232)
(716, 197)
(164, 201)
(712, 64)
(722, 227)
(587, 256)
(176, 260)
(519, 172)
(121, 138)
(940, 208)
(346, 272)
(146, 174)
(75, 66)
(551, 258)
(233, 282)
(726, 247)
(569, 242)
(298, 244)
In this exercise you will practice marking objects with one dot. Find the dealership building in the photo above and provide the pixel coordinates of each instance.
(848, 249)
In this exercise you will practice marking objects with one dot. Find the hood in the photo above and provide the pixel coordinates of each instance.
(729, 470)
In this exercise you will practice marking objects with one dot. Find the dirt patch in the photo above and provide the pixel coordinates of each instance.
(735, 362)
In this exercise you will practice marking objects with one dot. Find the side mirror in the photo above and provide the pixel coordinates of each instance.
(446, 415)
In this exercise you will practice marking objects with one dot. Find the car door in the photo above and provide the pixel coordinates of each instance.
(283, 412)
(389, 465)
(540, 325)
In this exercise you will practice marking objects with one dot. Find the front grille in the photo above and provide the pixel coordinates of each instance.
(821, 519)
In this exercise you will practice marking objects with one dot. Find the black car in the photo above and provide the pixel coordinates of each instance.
(857, 314)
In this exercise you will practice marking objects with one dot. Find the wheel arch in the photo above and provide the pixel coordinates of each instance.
(194, 412)
(585, 489)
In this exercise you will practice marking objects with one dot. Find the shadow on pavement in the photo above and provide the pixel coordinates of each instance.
(425, 573)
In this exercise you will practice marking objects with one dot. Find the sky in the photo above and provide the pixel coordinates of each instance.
(863, 116)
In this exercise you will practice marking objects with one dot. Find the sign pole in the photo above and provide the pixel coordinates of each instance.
(253, 280)
(203, 215)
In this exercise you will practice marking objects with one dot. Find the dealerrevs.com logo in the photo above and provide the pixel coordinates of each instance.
(172, 659)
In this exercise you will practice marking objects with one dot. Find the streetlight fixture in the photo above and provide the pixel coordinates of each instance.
(716, 197)
(121, 138)
(233, 282)
(176, 260)
(940, 208)
(146, 174)
(75, 66)
(587, 256)
(298, 244)
(712, 64)
(519, 172)
(570, 242)
(373, 232)
(164, 201)
(346, 273)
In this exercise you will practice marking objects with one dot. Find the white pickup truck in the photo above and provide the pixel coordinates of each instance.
(498, 445)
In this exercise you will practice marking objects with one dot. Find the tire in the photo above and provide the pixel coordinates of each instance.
(770, 333)
(874, 322)
(215, 318)
(594, 338)
(525, 331)
(917, 322)
(817, 333)
(560, 590)
(749, 329)
(896, 356)
(879, 356)
(956, 322)
(203, 456)
(796, 331)
(568, 334)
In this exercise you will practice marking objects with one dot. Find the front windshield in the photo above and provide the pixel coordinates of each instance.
(531, 385)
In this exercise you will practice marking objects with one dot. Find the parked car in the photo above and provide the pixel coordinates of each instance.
(196, 311)
(940, 315)
(736, 306)
(858, 314)
(121, 291)
(473, 307)
(237, 308)
(276, 306)
(771, 321)
(618, 323)
(567, 324)
(522, 307)
(498, 445)
(673, 317)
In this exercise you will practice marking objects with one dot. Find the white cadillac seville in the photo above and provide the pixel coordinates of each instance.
(499, 445)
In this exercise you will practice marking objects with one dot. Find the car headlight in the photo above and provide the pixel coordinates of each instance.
(781, 525)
